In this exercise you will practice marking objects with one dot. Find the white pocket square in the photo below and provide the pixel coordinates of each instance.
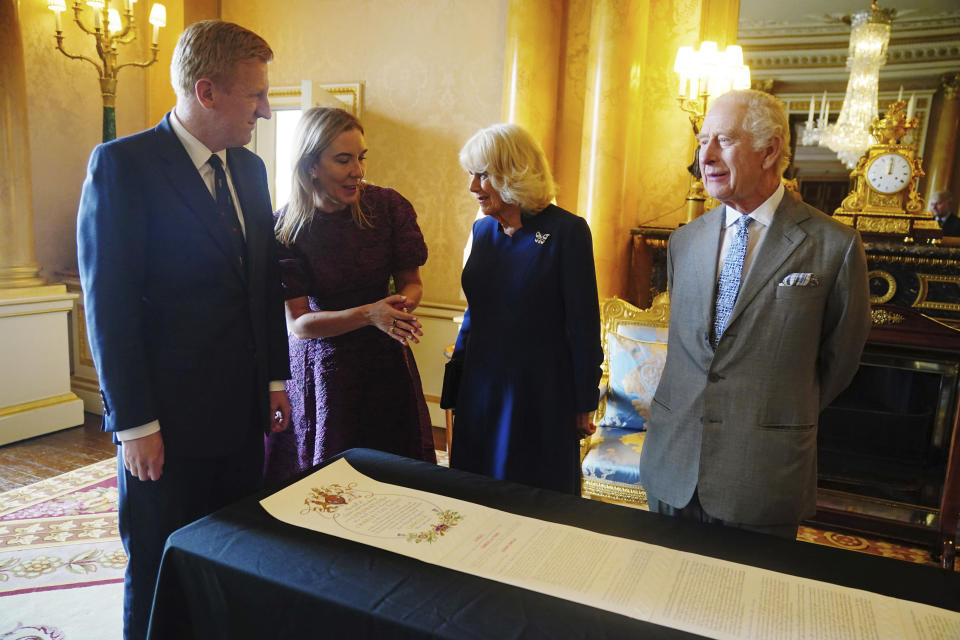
(800, 280)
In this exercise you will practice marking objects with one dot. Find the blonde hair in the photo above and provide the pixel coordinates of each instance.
(764, 118)
(210, 49)
(515, 164)
(316, 130)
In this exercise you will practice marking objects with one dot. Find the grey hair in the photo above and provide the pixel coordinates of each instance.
(515, 164)
(946, 197)
(764, 118)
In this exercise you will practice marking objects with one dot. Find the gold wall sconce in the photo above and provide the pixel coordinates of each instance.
(110, 28)
(703, 75)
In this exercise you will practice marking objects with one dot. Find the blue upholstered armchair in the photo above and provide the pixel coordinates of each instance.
(635, 350)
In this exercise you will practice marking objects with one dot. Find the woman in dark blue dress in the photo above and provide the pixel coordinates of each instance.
(529, 348)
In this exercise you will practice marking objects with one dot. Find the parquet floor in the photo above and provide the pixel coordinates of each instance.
(42, 457)
(29, 461)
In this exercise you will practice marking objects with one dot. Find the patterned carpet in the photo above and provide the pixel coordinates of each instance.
(61, 561)
(865, 545)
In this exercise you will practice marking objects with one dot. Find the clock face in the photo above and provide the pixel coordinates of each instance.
(889, 173)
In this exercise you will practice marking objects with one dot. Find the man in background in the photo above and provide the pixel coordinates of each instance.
(944, 208)
(183, 300)
(769, 314)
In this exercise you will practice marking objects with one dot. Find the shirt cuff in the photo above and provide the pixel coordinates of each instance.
(278, 385)
(139, 432)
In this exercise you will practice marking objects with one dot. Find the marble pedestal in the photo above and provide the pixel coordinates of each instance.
(35, 395)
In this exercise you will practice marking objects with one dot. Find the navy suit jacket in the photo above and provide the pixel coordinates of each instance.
(180, 330)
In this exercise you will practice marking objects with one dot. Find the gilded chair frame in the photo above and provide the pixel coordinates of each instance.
(614, 313)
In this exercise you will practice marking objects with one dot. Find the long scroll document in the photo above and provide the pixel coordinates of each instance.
(710, 597)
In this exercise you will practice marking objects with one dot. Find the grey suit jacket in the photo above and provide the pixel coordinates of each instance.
(740, 422)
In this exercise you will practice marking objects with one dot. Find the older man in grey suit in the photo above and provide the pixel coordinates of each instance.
(769, 315)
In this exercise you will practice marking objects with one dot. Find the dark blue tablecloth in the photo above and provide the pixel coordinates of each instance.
(240, 573)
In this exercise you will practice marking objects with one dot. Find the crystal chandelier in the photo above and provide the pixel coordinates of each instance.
(850, 136)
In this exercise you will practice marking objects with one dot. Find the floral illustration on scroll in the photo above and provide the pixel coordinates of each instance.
(446, 518)
(328, 499)
(380, 515)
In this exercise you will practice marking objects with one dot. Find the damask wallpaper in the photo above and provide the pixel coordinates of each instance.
(432, 73)
(65, 112)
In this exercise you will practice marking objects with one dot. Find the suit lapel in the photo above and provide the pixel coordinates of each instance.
(705, 249)
(246, 198)
(187, 182)
(782, 239)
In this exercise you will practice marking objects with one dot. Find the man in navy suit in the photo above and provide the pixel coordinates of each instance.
(183, 301)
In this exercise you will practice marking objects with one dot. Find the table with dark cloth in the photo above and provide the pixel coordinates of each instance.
(240, 573)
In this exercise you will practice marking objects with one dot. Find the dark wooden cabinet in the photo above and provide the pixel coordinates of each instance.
(888, 447)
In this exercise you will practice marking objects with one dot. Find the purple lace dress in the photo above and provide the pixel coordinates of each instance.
(358, 389)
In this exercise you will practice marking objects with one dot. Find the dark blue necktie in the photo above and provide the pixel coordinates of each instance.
(728, 286)
(226, 211)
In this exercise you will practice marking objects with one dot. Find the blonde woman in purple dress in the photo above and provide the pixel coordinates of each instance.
(354, 382)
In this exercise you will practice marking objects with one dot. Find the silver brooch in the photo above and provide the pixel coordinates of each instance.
(540, 238)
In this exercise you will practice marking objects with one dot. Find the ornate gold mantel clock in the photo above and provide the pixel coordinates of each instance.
(884, 202)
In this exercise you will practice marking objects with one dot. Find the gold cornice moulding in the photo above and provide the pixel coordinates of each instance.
(41, 291)
(20, 277)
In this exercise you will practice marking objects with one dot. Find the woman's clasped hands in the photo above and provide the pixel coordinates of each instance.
(390, 316)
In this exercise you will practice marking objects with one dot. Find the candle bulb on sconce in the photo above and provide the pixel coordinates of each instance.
(911, 106)
(900, 94)
(158, 18)
(813, 129)
(703, 75)
(681, 66)
(58, 7)
(114, 24)
(707, 73)
(109, 29)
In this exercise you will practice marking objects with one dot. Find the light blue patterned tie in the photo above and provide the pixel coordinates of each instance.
(729, 284)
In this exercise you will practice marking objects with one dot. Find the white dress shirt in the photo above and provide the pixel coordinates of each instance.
(200, 155)
(762, 217)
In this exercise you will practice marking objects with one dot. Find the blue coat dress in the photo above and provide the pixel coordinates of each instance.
(530, 350)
